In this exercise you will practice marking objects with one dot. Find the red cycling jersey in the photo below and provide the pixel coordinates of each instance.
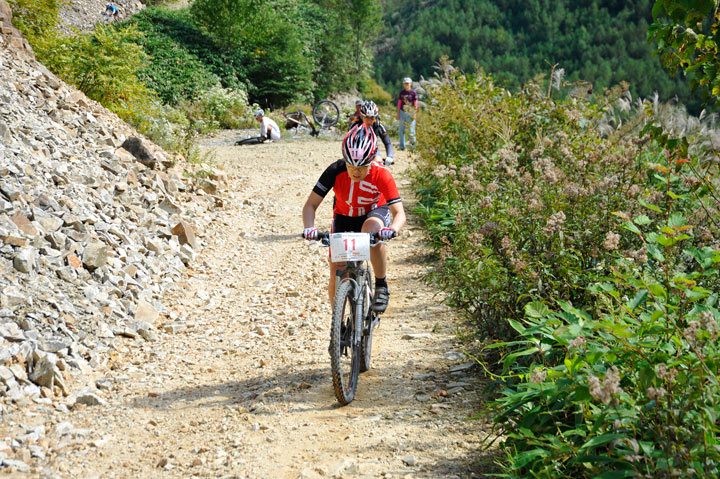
(358, 198)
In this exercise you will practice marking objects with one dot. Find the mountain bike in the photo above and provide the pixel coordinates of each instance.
(353, 321)
(108, 17)
(325, 115)
(299, 121)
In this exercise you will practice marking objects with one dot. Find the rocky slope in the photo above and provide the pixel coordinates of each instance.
(90, 235)
(84, 14)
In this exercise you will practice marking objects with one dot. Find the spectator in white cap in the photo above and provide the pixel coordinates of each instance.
(269, 130)
(406, 112)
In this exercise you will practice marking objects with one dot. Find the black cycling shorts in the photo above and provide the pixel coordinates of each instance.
(353, 224)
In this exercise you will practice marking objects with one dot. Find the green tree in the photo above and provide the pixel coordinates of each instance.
(687, 33)
(517, 39)
(278, 70)
(365, 20)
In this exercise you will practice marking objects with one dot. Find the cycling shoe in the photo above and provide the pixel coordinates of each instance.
(381, 299)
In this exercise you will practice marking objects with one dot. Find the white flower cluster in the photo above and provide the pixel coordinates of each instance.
(610, 386)
(555, 223)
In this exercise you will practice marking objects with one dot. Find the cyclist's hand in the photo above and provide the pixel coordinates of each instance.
(387, 233)
(310, 233)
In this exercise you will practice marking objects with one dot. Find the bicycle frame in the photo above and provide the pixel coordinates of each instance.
(352, 302)
(300, 122)
(357, 271)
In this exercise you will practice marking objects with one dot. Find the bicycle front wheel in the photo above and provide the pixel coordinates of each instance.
(326, 113)
(344, 349)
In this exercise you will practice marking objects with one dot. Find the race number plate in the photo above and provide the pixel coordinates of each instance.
(349, 247)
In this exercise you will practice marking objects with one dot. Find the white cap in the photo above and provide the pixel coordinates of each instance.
(259, 112)
(407, 80)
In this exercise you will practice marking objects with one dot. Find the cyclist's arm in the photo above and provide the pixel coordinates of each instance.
(382, 133)
(388, 145)
(398, 215)
(311, 206)
(319, 191)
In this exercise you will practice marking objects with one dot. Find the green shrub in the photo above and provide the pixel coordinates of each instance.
(36, 18)
(278, 70)
(103, 64)
(373, 91)
(517, 193)
(229, 108)
(185, 60)
(634, 392)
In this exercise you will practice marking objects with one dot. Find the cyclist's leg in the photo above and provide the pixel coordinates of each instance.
(378, 254)
(376, 220)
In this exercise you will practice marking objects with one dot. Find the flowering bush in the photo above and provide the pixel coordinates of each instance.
(635, 391)
(527, 205)
(225, 107)
(517, 193)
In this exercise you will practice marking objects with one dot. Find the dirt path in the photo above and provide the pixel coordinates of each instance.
(239, 385)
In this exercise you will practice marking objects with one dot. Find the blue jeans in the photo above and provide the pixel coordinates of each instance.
(406, 119)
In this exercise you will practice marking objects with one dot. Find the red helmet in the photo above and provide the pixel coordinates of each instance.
(359, 145)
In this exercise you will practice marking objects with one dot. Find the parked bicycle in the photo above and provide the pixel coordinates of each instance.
(325, 115)
(353, 321)
(299, 121)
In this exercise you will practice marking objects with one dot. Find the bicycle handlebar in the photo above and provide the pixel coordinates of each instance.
(323, 237)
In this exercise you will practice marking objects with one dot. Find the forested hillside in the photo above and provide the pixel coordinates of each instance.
(601, 41)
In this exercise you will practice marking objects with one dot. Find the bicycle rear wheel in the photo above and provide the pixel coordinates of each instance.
(326, 113)
(344, 358)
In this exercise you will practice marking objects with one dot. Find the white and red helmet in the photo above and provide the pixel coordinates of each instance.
(359, 145)
(369, 108)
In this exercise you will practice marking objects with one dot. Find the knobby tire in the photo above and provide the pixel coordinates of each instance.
(326, 113)
(345, 367)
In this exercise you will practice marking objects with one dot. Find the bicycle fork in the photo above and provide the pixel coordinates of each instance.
(358, 300)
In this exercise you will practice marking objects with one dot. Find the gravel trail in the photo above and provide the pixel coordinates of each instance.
(237, 383)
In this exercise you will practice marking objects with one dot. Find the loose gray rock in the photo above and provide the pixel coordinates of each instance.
(12, 332)
(95, 255)
(138, 149)
(15, 464)
(89, 398)
(409, 461)
(146, 313)
(11, 297)
(25, 260)
(45, 371)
